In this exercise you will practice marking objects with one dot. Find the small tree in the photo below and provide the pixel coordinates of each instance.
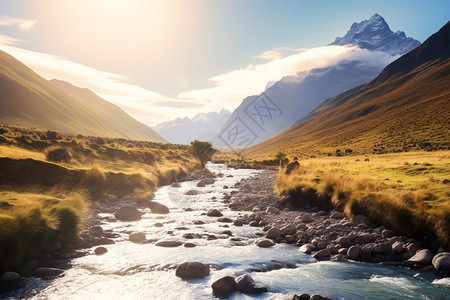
(280, 157)
(202, 150)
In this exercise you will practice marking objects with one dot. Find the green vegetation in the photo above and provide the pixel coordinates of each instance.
(42, 200)
(408, 192)
(202, 150)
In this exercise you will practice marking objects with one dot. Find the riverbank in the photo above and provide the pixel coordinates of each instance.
(326, 234)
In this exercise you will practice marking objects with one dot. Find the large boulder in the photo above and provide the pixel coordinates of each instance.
(192, 269)
(421, 259)
(128, 213)
(9, 281)
(324, 253)
(214, 213)
(353, 252)
(59, 155)
(224, 286)
(307, 248)
(273, 233)
(246, 284)
(158, 208)
(441, 262)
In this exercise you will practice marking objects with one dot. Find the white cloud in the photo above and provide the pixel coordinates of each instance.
(22, 24)
(232, 87)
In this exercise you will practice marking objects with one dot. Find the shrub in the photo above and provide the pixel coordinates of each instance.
(68, 222)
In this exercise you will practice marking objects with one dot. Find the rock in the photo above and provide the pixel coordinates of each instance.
(318, 297)
(192, 269)
(9, 281)
(307, 218)
(205, 181)
(59, 155)
(273, 233)
(238, 223)
(158, 208)
(397, 247)
(361, 219)
(366, 251)
(190, 245)
(367, 237)
(176, 185)
(224, 286)
(225, 187)
(137, 237)
(246, 284)
(224, 220)
(47, 272)
(307, 248)
(265, 243)
(168, 243)
(411, 247)
(214, 213)
(111, 198)
(192, 192)
(324, 253)
(51, 135)
(300, 297)
(421, 259)
(128, 213)
(96, 231)
(441, 262)
(337, 215)
(272, 210)
(386, 234)
(100, 250)
(353, 252)
(381, 249)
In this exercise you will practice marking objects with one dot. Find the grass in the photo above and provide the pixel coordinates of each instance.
(40, 200)
(404, 191)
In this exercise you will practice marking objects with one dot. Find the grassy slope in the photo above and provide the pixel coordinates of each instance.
(31, 101)
(38, 197)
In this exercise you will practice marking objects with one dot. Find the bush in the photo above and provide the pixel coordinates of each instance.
(202, 150)
(68, 222)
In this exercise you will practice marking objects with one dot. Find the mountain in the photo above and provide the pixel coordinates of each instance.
(262, 116)
(375, 34)
(204, 127)
(28, 100)
(406, 107)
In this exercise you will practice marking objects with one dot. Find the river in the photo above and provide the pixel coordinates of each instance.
(145, 271)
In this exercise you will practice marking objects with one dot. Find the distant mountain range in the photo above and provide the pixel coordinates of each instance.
(406, 107)
(28, 100)
(263, 116)
(203, 127)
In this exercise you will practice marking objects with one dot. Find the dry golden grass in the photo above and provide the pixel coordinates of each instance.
(405, 191)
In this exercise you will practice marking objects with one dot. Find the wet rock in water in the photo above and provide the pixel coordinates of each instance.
(137, 237)
(225, 187)
(300, 297)
(353, 252)
(421, 259)
(205, 181)
(192, 269)
(190, 245)
(265, 243)
(324, 253)
(176, 185)
(441, 262)
(214, 213)
(318, 297)
(169, 243)
(96, 231)
(9, 281)
(47, 272)
(128, 213)
(274, 233)
(224, 220)
(224, 286)
(158, 208)
(246, 284)
(100, 250)
(238, 223)
(192, 192)
(273, 210)
(158, 224)
(307, 248)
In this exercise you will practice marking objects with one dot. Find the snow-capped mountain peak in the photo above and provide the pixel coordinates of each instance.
(375, 34)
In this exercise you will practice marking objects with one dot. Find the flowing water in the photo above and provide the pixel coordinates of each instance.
(145, 271)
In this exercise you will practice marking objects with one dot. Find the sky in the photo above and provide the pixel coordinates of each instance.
(162, 59)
